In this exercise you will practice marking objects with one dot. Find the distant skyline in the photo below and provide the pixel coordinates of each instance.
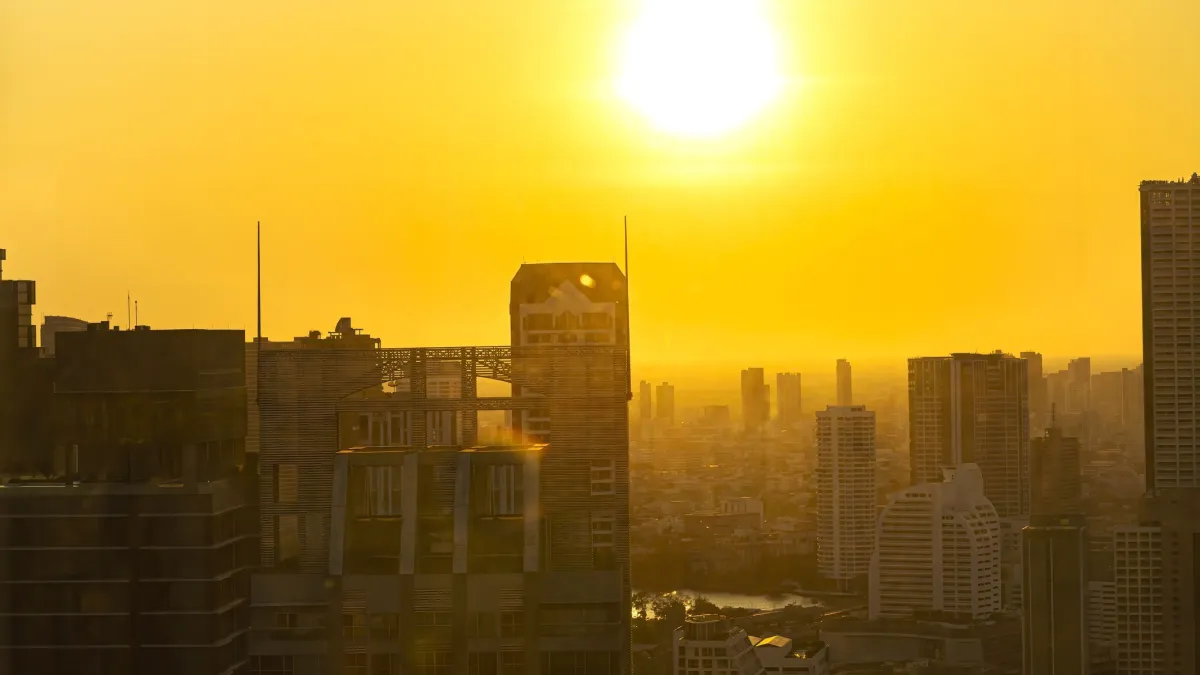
(925, 182)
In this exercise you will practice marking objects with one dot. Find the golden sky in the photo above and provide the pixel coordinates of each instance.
(937, 175)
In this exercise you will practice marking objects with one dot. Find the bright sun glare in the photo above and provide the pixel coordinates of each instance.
(699, 67)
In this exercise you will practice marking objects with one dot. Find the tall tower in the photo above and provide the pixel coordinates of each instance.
(1157, 623)
(665, 393)
(645, 403)
(756, 400)
(845, 393)
(787, 400)
(845, 492)
(972, 408)
(1038, 404)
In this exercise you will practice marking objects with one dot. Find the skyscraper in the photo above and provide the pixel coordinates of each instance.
(972, 408)
(1039, 405)
(1155, 567)
(645, 403)
(845, 392)
(1057, 488)
(18, 369)
(665, 393)
(845, 492)
(937, 549)
(756, 400)
(787, 400)
(1054, 623)
(1079, 385)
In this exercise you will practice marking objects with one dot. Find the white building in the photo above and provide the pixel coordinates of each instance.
(937, 549)
(846, 501)
(709, 644)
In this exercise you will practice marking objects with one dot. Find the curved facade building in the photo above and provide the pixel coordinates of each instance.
(937, 550)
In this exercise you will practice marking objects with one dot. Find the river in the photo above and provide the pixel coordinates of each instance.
(760, 602)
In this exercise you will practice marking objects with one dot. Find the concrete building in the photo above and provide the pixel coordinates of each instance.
(1138, 583)
(1039, 405)
(1079, 386)
(454, 558)
(846, 497)
(787, 400)
(756, 400)
(134, 555)
(780, 656)
(845, 383)
(53, 325)
(21, 374)
(972, 408)
(708, 642)
(1056, 471)
(1054, 615)
(665, 393)
(937, 549)
(645, 407)
(1102, 624)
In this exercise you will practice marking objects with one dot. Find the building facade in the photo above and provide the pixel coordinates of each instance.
(756, 400)
(846, 497)
(845, 383)
(972, 408)
(937, 549)
(1054, 617)
(665, 393)
(787, 400)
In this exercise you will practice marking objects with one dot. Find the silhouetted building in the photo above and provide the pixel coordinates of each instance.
(53, 325)
(1054, 614)
(1039, 406)
(972, 408)
(787, 400)
(1056, 477)
(666, 404)
(645, 404)
(134, 556)
(453, 557)
(845, 388)
(21, 431)
(846, 498)
(715, 416)
(756, 400)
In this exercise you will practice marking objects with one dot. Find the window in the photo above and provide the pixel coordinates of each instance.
(398, 430)
(286, 620)
(354, 664)
(287, 539)
(385, 626)
(597, 320)
(271, 665)
(539, 321)
(375, 491)
(481, 624)
(433, 618)
(482, 663)
(512, 663)
(501, 491)
(512, 624)
(354, 627)
(603, 475)
(432, 663)
(385, 664)
(603, 557)
(287, 484)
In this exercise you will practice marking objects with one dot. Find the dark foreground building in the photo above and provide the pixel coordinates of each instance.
(133, 556)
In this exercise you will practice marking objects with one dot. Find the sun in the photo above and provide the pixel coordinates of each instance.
(699, 68)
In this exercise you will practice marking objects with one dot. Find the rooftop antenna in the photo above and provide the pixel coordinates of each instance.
(258, 225)
(128, 310)
(628, 316)
(135, 314)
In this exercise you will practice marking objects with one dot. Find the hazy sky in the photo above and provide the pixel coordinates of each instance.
(938, 175)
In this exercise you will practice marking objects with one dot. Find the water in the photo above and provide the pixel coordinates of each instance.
(759, 602)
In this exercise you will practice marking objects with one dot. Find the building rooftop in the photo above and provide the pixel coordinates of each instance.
(371, 449)
(1194, 180)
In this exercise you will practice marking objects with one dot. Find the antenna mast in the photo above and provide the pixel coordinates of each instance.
(259, 288)
(128, 312)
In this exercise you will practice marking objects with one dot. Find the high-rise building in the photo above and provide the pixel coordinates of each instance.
(460, 557)
(937, 549)
(845, 389)
(1079, 385)
(972, 408)
(787, 400)
(53, 325)
(20, 372)
(756, 400)
(665, 393)
(645, 404)
(1055, 472)
(1039, 406)
(846, 500)
(1138, 581)
(133, 553)
(1054, 621)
